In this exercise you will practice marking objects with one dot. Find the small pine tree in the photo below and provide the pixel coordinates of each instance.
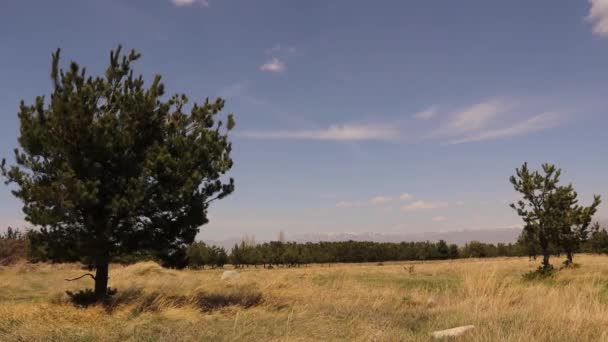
(550, 212)
(443, 249)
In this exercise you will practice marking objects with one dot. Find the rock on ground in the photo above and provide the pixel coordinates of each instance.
(455, 332)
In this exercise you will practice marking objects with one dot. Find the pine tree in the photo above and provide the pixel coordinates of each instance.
(197, 255)
(109, 166)
(598, 242)
(551, 212)
(534, 208)
(443, 250)
(527, 243)
(572, 219)
(453, 251)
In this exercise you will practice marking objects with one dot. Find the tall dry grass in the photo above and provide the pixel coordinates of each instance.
(365, 302)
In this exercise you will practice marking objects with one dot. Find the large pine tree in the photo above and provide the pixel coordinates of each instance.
(109, 166)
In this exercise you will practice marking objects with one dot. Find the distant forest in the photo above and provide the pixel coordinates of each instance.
(15, 246)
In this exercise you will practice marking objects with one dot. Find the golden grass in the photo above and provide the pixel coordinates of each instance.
(350, 302)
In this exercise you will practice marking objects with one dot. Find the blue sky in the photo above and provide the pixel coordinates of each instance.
(352, 116)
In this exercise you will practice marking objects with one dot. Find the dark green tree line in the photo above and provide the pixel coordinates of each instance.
(201, 255)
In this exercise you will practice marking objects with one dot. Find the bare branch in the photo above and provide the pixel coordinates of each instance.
(82, 276)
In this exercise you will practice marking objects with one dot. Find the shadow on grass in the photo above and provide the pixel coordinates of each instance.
(245, 296)
(87, 297)
(540, 274)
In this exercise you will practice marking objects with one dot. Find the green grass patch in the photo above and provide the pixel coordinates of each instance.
(603, 293)
(418, 281)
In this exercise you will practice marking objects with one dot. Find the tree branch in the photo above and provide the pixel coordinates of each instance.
(213, 199)
(82, 276)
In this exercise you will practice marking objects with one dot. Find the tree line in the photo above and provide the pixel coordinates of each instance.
(15, 245)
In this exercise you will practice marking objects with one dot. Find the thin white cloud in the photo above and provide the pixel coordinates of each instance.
(279, 54)
(487, 120)
(460, 203)
(279, 49)
(426, 114)
(335, 133)
(424, 205)
(406, 197)
(237, 89)
(530, 125)
(439, 219)
(204, 3)
(473, 118)
(344, 204)
(598, 16)
(348, 204)
(379, 200)
(273, 65)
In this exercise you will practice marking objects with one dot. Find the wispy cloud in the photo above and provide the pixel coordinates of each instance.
(274, 65)
(278, 55)
(534, 124)
(335, 133)
(379, 200)
(426, 114)
(424, 205)
(473, 118)
(348, 204)
(439, 219)
(241, 91)
(237, 89)
(279, 49)
(204, 3)
(487, 120)
(406, 197)
(495, 119)
(598, 16)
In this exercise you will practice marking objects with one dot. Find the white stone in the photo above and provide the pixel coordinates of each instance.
(227, 275)
(455, 332)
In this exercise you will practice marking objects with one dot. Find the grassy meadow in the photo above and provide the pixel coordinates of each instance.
(341, 302)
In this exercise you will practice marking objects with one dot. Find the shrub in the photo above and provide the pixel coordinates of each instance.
(13, 247)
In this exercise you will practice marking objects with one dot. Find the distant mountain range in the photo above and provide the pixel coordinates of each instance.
(460, 237)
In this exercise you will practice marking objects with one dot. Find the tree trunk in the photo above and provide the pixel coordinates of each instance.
(544, 247)
(569, 258)
(546, 264)
(101, 277)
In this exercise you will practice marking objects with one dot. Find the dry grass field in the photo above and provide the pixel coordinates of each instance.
(351, 302)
